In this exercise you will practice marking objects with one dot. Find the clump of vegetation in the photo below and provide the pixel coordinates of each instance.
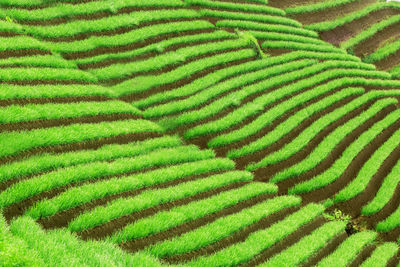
(353, 225)
(252, 41)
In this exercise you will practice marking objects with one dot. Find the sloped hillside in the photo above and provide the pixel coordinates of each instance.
(368, 29)
(195, 133)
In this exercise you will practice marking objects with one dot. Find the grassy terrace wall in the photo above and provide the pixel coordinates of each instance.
(194, 133)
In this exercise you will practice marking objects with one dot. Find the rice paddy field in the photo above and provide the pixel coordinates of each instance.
(199, 133)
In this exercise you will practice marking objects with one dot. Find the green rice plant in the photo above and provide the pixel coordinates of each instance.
(381, 255)
(136, 35)
(277, 36)
(383, 52)
(221, 228)
(45, 74)
(124, 206)
(385, 193)
(21, 3)
(269, 116)
(369, 32)
(390, 223)
(209, 80)
(13, 143)
(395, 72)
(318, 6)
(61, 10)
(293, 45)
(307, 246)
(14, 251)
(258, 104)
(237, 6)
(30, 112)
(157, 47)
(123, 70)
(213, 78)
(11, 91)
(317, 126)
(21, 42)
(290, 124)
(38, 61)
(227, 85)
(261, 240)
(358, 184)
(334, 138)
(348, 250)
(257, 26)
(165, 220)
(86, 193)
(235, 98)
(341, 164)
(61, 248)
(47, 162)
(96, 170)
(277, 20)
(340, 21)
(108, 23)
(143, 83)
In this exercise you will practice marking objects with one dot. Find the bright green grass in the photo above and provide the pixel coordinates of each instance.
(390, 223)
(108, 23)
(318, 6)
(334, 138)
(212, 92)
(86, 193)
(341, 164)
(294, 45)
(237, 7)
(383, 52)
(61, 248)
(210, 80)
(13, 143)
(261, 102)
(277, 20)
(307, 246)
(38, 61)
(158, 47)
(329, 25)
(276, 36)
(359, 183)
(165, 220)
(221, 228)
(178, 56)
(14, 251)
(381, 255)
(143, 83)
(92, 171)
(61, 10)
(213, 78)
(291, 123)
(20, 42)
(257, 26)
(369, 32)
(261, 240)
(348, 250)
(303, 138)
(9, 91)
(45, 74)
(234, 99)
(124, 206)
(30, 112)
(133, 36)
(46, 162)
(385, 192)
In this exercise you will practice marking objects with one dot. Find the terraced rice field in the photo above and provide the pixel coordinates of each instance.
(199, 133)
